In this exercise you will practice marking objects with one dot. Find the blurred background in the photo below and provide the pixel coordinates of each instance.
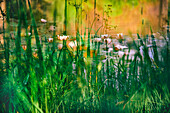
(111, 16)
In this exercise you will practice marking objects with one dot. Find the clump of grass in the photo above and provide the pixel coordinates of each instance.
(66, 81)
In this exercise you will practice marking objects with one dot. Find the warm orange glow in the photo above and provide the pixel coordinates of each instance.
(91, 53)
(24, 47)
(35, 54)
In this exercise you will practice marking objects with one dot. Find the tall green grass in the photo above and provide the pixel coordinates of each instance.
(66, 81)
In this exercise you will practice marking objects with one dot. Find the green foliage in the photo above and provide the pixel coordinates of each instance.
(63, 80)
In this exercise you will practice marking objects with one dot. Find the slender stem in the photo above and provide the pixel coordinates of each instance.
(40, 56)
(65, 19)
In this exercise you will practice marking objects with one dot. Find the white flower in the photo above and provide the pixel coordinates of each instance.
(62, 37)
(110, 50)
(118, 46)
(120, 54)
(73, 44)
(120, 36)
(108, 40)
(50, 40)
(60, 46)
(104, 36)
(123, 47)
(36, 50)
(97, 39)
(29, 34)
(43, 20)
